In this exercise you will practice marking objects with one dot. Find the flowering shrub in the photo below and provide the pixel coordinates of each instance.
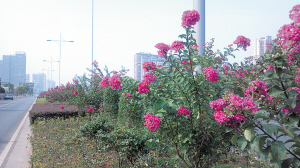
(152, 122)
(242, 41)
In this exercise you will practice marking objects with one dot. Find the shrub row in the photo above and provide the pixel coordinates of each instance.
(52, 110)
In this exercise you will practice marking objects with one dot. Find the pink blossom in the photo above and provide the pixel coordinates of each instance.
(104, 82)
(230, 45)
(144, 87)
(152, 122)
(62, 107)
(177, 46)
(149, 76)
(211, 74)
(148, 66)
(190, 18)
(270, 67)
(75, 92)
(295, 14)
(242, 41)
(235, 101)
(163, 49)
(89, 109)
(115, 82)
(225, 68)
(195, 47)
(95, 63)
(239, 117)
(297, 78)
(183, 62)
(220, 117)
(183, 111)
(128, 94)
(218, 104)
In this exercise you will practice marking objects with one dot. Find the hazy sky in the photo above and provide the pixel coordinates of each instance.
(123, 28)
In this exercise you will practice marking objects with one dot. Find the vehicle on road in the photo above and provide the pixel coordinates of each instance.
(9, 96)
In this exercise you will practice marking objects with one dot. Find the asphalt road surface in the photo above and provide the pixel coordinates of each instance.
(12, 113)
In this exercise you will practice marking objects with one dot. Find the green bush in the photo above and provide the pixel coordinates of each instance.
(91, 128)
(111, 101)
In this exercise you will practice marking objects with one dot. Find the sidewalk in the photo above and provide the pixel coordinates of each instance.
(20, 151)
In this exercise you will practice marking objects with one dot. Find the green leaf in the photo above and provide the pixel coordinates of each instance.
(229, 129)
(265, 153)
(270, 129)
(269, 73)
(287, 162)
(292, 120)
(249, 133)
(242, 142)
(275, 91)
(234, 139)
(291, 102)
(159, 115)
(278, 149)
(287, 132)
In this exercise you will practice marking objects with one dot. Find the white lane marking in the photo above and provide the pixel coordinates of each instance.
(13, 138)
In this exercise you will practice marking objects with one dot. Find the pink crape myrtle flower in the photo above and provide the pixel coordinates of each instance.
(152, 122)
(62, 107)
(195, 47)
(295, 13)
(225, 68)
(190, 18)
(75, 92)
(163, 49)
(104, 82)
(144, 87)
(149, 76)
(183, 111)
(242, 41)
(128, 94)
(149, 66)
(115, 82)
(220, 117)
(211, 74)
(218, 104)
(297, 78)
(270, 67)
(89, 109)
(177, 46)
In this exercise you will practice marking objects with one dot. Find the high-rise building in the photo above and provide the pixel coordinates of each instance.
(13, 68)
(39, 81)
(261, 46)
(140, 58)
(27, 78)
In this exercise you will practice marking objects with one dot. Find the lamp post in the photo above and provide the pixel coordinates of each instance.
(51, 65)
(59, 42)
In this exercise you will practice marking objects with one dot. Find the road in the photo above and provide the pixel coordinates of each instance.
(12, 113)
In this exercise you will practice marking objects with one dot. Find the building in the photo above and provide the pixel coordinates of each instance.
(27, 78)
(140, 58)
(51, 84)
(39, 81)
(13, 68)
(261, 46)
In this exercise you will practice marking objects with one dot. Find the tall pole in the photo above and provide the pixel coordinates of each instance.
(92, 34)
(199, 5)
(59, 42)
(59, 58)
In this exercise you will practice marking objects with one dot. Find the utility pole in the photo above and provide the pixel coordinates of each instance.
(199, 5)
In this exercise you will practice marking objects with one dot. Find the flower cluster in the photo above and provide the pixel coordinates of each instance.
(149, 66)
(177, 46)
(257, 89)
(242, 41)
(115, 82)
(190, 18)
(163, 49)
(295, 14)
(128, 94)
(225, 68)
(104, 82)
(90, 109)
(211, 74)
(183, 111)
(149, 76)
(229, 109)
(152, 122)
(144, 87)
(270, 67)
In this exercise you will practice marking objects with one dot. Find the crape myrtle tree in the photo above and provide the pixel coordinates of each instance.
(177, 97)
(270, 126)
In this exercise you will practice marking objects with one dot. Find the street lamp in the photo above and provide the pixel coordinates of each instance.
(51, 65)
(59, 42)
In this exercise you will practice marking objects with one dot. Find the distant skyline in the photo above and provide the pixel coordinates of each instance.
(124, 28)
